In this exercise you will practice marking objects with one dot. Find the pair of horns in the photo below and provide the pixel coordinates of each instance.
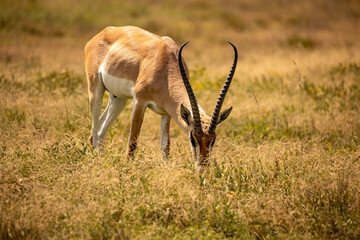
(192, 98)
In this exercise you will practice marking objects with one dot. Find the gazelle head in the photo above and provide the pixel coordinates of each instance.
(202, 138)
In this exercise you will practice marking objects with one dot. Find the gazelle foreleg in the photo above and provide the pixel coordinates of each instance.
(136, 122)
(165, 138)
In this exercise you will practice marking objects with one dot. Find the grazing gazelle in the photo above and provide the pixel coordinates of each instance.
(130, 62)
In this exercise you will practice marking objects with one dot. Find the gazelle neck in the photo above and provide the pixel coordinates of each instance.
(177, 96)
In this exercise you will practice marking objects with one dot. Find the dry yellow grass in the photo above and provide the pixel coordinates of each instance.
(286, 162)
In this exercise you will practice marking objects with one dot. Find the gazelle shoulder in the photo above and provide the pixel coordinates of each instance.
(171, 44)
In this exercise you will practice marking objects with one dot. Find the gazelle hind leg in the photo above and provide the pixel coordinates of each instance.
(113, 109)
(95, 101)
(165, 139)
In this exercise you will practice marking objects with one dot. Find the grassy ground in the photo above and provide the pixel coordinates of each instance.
(287, 161)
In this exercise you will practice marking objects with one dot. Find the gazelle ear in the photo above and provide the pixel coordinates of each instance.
(185, 114)
(224, 115)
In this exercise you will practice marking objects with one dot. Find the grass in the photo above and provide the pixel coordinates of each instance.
(286, 164)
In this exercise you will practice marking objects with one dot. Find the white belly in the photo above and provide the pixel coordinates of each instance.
(119, 87)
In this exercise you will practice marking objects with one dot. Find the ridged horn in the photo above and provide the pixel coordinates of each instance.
(220, 101)
(192, 98)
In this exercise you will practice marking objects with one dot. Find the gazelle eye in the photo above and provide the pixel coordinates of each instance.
(192, 140)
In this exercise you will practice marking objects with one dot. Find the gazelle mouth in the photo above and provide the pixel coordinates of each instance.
(206, 164)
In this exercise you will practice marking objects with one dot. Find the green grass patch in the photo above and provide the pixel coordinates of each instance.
(301, 42)
(67, 81)
(269, 127)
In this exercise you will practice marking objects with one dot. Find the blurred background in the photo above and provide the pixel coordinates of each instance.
(256, 26)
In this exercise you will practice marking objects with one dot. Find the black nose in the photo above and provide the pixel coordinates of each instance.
(205, 163)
